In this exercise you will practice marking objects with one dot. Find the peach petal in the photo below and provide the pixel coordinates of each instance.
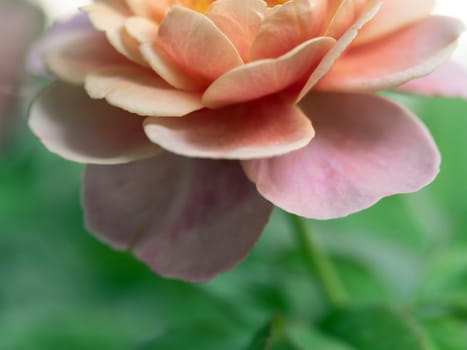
(185, 218)
(366, 148)
(394, 15)
(267, 76)
(138, 90)
(262, 128)
(196, 44)
(77, 128)
(168, 70)
(141, 29)
(155, 10)
(343, 17)
(410, 53)
(287, 26)
(110, 18)
(73, 56)
(371, 9)
(449, 80)
(239, 20)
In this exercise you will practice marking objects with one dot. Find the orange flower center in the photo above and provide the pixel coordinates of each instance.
(203, 5)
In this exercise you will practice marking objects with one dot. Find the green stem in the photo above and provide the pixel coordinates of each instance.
(318, 262)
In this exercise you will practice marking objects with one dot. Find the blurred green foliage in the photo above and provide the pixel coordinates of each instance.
(403, 262)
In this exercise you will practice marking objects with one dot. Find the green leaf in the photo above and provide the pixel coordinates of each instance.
(304, 337)
(376, 327)
(447, 333)
(205, 337)
(263, 339)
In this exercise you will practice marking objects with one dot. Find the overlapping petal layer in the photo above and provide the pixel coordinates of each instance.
(77, 128)
(365, 148)
(186, 218)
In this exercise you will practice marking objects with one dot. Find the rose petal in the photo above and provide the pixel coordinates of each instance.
(141, 29)
(371, 9)
(73, 56)
(287, 26)
(140, 91)
(186, 218)
(394, 15)
(77, 128)
(239, 20)
(195, 43)
(267, 76)
(168, 70)
(154, 10)
(410, 53)
(110, 17)
(365, 148)
(449, 80)
(59, 30)
(343, 15)
(262, 128)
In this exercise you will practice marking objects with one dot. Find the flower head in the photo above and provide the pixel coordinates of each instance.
(174, 93)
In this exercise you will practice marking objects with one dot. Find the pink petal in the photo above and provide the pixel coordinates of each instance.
(140, 91)
(239, 20)
(264, 77)
(410, 53)
(196, 44)
(110, 17)
(365, 148)
(77, 128)
(287, 26)
(448, 80)
(74, 55)
(394, 15)
(259, 129)
(370, 10)
(186, 218)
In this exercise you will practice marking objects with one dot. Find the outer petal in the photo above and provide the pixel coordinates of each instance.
(186, 218)
(77, 128)
(140, 91)
(410, 53)
(343, 15)
(78, 23)
(73, 56)
(369, 11)
(259, 129)
(268, 76)
(365, 148)
(448, 80)
(287, 26)
(239, 20)
(394, 15)
(196, 44)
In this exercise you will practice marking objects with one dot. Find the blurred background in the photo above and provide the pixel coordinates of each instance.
(62, 289)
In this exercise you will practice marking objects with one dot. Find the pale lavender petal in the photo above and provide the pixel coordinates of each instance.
(186, 218)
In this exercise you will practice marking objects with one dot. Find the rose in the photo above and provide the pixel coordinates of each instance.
(219, 81)
(22, 22)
